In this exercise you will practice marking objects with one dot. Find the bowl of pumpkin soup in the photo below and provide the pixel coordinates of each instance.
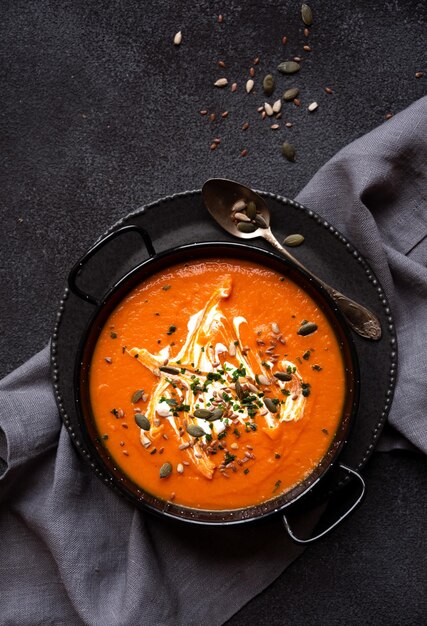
(215, 383)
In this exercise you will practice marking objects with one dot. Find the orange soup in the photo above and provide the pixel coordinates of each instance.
(218, 384)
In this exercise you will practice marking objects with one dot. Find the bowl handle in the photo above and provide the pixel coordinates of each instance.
(355, 504)
(72, 277)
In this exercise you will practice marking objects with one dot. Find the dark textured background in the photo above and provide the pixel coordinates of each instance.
(99, 115)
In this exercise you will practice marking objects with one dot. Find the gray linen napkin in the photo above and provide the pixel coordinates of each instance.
(73, 552)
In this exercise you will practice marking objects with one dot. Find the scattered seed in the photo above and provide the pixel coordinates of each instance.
(249, 85)
(234, 446)
(307, 48)
(220, 19)
(217, 140)
(195, 431)
(297, 59)
(213, 146)
(307, 329)
(290, 94)
(288, 124)
(169, 370)
(256, 60)
(263, 115)
(184, 446)
(232, 349)
(388, 116)
(252, 72)
(224, 114)
(297, 102)
(288, 151)
(203, 112)
(419, 74)
(268, 109)
(165, 470)
(244, 153)
(288, 67)
(328, 90)
(306, 14)
(180, 468)
(246, 227)
(221, 82)
(263, 380)
(270, 405)
(277, 106)
(284, 40)
(142, 421)
(278, 116)
(313, 106)
(306, 32)
(283, 376)
(245, 126)
(293, 240)
(275, 328)
(125, 452)
(178, 38)
(234, 87)
(202, 413)
(221, 64)
(108, 360)
(268, 84)
(212, 117)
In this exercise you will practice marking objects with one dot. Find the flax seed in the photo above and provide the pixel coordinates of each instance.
(244, 153)
(252, 72)
(221, 64)
(245, 126)
(234, 87)
(224, 114)
(203, 112)
(328, 90)
(212, 117)
(284, 40)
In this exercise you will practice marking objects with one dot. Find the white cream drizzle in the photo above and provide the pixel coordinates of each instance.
(198, 358)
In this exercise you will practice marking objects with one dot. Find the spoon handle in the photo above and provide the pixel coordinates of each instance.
(362, 321)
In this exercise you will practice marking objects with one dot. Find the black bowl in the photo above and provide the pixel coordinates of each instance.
(109, 302)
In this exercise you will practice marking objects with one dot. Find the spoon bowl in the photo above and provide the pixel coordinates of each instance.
(225, 199)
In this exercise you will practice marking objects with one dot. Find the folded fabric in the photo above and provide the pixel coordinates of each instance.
(73, 552)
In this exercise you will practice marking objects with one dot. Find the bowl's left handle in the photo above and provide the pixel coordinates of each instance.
(72, 277)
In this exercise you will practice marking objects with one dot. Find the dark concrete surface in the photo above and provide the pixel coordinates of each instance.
(99, 115)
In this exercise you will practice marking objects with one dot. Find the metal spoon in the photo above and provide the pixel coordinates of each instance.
(220, 195)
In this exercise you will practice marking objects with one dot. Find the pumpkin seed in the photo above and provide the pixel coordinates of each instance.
(263, 380)
(283, 376)
(307, 329)
(169, 370)
(290, 94)
(270, 405)
(137, 396)
(251, 210)
(165, 470)
(242, 217)
(306, 14)
(195, 431)
(293, 240)
(288, 151)
(142, 421)
(240, 205)
(202, 413)
(239, 390)
(216, 414)
(268, 84)
(289, 67)
(245, 227)
(221, 82)
(260, 221)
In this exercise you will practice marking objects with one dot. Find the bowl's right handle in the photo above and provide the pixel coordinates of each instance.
(72, 277)
(355, 504)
